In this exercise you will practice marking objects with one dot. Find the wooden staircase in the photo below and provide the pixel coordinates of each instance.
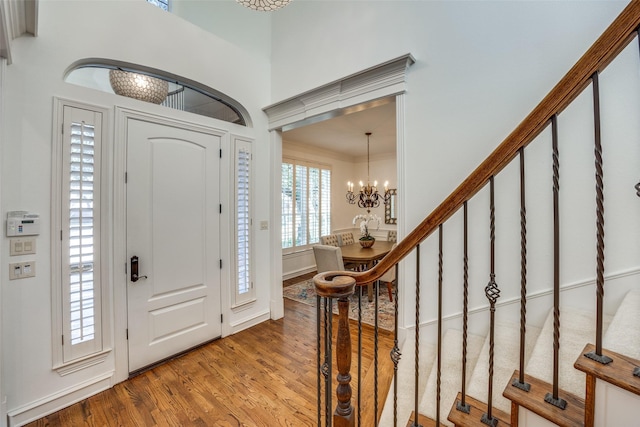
(553, 394)
(580, 406)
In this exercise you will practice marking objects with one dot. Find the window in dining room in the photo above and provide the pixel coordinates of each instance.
(306, 203)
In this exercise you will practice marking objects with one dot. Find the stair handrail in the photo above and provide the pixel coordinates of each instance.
(612, 41)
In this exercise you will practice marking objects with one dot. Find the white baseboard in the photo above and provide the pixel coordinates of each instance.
(60, 400)
(250, 321)
(300, 272)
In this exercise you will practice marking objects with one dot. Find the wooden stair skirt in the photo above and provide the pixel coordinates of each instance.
(619, 372)
(533, 400)
(462, 419)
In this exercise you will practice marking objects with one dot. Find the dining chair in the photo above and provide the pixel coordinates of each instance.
(328, 258)
(392, 236)
(389, 278)
(346, 239)
(330, 240)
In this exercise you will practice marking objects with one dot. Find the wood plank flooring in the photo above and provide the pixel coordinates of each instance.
(264, 376)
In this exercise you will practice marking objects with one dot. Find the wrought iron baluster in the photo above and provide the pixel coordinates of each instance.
(462, 405)
(597, 353)
(520, 382)
(492, 293)
(553, 397)
(319, 356)
(395, 351)
(439, 370)
(376, 331)
(417, 341)
(327, 368)
(359, 413)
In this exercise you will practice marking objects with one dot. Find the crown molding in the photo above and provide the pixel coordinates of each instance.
(339, 97)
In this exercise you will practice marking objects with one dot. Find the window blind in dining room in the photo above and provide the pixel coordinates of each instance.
(306, 206)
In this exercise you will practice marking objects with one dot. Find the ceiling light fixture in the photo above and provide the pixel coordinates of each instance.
(369, 196)
(264, 5)
(139, 86)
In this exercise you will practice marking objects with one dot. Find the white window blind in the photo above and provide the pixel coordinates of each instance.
(306, 206)
(81, 232)
(79, 221)
(243, 211)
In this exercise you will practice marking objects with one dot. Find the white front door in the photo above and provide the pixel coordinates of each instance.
(173, 230)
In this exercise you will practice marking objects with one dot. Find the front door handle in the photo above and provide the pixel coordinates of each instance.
(134, 270)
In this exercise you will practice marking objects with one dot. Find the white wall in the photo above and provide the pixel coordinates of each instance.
(136, 32)
(480, 68)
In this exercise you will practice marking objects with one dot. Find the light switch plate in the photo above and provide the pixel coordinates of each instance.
(22, 270)
(22, 246)
(264, 225)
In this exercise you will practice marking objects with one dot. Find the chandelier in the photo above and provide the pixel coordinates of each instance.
(369, 196)
(264, 5)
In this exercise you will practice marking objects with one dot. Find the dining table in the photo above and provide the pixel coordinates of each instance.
(365, 257)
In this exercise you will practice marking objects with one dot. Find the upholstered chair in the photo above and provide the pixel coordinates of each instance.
(389, 278)
(328, 258)
(346, 239)
(392, 236)
(330, 240)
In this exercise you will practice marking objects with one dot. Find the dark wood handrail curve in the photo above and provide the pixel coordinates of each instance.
(614, 39)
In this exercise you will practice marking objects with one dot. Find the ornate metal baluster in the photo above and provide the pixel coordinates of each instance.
(520, 383)
(553, 397)
(462, 405)
(395, 351)
(376, 330)
(597, 354)
(439, 372)
(492, 293)
(417, 339)
(325, 369)
(318, 355)
(359, 291)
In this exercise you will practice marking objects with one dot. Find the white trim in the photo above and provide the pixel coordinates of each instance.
(3, 70)
(535, 295)
(275, 254)
(299, 272)
(60, 400)
(380, 81)
(5, 37)
(103, 323)
(248, 322)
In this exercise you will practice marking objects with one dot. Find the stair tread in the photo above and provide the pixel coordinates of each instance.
(623, 334)
(476, 410)
(422, 420)
(577, 328)
(571, 416)
(406, 381)
(506, 360)
(450, 378)
(619, 372)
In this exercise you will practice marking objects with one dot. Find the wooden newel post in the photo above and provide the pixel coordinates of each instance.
(344, 414)
(332, 285)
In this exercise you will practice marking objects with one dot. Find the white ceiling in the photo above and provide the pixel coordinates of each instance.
(345, 134)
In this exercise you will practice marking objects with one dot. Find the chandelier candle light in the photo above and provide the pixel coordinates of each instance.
(369, 196)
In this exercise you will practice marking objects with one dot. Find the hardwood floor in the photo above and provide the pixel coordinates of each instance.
(264, 376)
